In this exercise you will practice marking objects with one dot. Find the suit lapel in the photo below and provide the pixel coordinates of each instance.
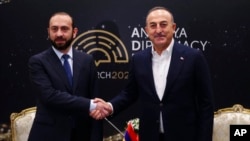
(149, 69)
(57, 65)
(176, 64)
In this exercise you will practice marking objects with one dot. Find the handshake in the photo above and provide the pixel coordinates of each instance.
(102, 110)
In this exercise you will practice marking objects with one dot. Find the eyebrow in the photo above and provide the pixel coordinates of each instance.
(159, 22)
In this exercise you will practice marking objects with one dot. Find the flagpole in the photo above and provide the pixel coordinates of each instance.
(114, 127)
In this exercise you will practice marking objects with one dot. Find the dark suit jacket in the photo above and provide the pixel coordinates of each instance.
(187, 104)
(62, 111)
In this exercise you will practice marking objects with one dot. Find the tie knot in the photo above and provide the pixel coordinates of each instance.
(65, 56)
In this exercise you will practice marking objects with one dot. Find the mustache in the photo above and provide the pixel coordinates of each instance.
(159, 35)
(59, 38)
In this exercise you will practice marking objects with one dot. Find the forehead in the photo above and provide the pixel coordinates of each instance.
(158, 16)
(60, 20)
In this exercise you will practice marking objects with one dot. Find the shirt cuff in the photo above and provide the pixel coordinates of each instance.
(92, 105)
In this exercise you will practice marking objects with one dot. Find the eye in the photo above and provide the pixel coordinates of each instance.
(153, 26)
(163, 25)
(65, 28)
(54, 28)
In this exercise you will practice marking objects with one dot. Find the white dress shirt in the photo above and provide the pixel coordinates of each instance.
(70, 60)
(160, 66)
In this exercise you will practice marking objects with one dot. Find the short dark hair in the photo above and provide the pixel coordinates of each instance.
(160, 8)
(63, 13)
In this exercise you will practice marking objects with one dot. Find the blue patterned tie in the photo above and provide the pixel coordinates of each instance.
(67, 67)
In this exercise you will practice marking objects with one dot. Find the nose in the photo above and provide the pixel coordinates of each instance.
(158, 29)
(59, 33)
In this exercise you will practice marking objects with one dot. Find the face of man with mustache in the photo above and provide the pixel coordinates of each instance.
(61, 32)
(160, 28)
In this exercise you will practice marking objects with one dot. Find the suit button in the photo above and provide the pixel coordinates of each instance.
(157, 121)
(161, 104)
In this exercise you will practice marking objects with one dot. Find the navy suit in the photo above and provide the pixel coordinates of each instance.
(187, 104)
(63, 111)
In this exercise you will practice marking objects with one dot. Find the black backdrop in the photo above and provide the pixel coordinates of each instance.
(219, 28)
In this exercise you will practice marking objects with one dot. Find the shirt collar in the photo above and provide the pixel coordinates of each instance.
(60, 54)
(168, 50)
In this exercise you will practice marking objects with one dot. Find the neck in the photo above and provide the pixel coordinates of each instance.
(65, 51)
(159, 50)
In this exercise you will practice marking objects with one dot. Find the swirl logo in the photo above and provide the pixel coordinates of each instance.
(103, 45)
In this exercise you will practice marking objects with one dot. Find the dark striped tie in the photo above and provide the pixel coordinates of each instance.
(67, 67)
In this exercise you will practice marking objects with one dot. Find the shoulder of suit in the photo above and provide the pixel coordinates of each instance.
(42, 54)
(144, 52)
(185, 48)
(80, 54)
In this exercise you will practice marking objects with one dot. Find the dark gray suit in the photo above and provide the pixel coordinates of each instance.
(62, 110)
(187, 104)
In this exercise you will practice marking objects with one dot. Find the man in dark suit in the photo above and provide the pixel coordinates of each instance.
(63, 103)
(172, 84)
